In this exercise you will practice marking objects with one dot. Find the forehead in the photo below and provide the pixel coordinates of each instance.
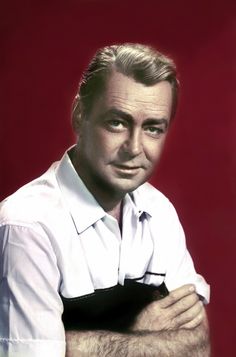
(125, 93)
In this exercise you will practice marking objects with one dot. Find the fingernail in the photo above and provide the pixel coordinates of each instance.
(192, 288)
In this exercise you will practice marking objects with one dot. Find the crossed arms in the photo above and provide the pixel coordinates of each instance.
(175, 326)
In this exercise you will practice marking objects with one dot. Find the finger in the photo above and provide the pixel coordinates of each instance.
(189, 315)
(177, 294)
(184, 304)
(184, 307)
(193, 323)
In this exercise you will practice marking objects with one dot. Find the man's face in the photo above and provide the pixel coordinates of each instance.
(122, 139)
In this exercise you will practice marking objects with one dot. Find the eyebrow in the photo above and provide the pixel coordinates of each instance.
(128, 117)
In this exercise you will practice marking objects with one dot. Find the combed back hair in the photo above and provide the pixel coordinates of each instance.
(141, 62)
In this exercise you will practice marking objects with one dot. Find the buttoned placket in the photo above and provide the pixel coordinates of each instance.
(129, 231)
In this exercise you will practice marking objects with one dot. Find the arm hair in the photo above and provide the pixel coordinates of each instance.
(179, 343)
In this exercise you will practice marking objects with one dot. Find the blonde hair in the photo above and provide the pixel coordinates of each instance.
(141, 62)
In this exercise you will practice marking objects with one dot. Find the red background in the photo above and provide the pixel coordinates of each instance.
(44, 47)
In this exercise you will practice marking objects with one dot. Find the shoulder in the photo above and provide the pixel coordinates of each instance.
(31, 201)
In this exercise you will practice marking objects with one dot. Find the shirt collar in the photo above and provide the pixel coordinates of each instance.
(141, 200)
(84, 208)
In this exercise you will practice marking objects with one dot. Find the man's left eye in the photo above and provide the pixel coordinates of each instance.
(154, 131)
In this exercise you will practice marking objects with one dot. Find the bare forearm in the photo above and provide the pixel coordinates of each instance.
(173, 326)
(179, 343)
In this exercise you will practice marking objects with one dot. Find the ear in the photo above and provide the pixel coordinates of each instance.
(77, 115)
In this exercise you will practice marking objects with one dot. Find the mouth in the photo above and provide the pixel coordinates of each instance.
(127, 169)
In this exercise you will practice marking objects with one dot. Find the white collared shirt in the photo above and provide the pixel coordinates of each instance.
(55, 239)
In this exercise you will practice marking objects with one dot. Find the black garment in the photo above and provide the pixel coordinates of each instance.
(112, 309)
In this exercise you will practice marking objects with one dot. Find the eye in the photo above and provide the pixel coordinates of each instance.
(154, 131)
(116, 125)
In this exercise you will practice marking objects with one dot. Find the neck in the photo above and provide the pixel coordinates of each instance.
(116, 212)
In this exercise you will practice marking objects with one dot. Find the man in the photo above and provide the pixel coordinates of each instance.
(90, 248)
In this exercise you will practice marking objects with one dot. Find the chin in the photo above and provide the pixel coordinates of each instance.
(126, 187)
(119, 185)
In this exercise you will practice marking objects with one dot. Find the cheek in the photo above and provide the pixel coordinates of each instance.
(153, 150)
(106, 142)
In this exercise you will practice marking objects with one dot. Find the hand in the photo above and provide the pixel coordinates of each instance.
(180, 309)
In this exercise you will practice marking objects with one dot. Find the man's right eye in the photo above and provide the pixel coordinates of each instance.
(115, 124)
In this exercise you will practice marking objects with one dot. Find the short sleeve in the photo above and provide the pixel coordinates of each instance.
(180, 267)
(30, 305)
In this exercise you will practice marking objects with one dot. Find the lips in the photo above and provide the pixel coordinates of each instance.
(127, 170)
(126, 167)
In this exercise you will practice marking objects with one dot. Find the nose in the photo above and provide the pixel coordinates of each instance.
(133, 145)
